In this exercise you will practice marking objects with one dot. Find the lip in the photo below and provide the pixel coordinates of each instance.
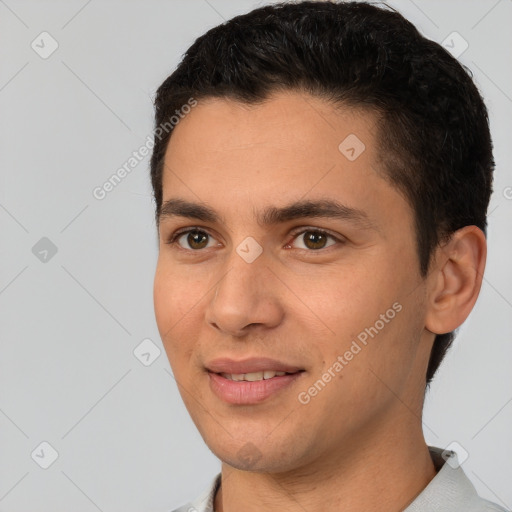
(253, 364)
(247, 393)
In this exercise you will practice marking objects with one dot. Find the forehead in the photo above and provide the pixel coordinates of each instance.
(289, 131)
(286, 121)
(290, 147)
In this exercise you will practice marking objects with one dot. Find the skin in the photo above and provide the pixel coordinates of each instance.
(358, 444)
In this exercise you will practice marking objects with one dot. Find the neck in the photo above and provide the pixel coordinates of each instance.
(384, 474)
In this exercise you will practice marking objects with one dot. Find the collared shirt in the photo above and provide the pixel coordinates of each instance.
(449, 491)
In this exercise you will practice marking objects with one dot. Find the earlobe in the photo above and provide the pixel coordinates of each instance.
(456, 279)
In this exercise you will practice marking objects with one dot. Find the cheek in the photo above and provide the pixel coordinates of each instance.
(378, 328)
(164, 300)
(175, 292)
(177, 302)
(350, 299)
(367, 309)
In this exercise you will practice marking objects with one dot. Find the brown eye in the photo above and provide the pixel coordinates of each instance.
(192, 239)
(313, 240)
(197, 239)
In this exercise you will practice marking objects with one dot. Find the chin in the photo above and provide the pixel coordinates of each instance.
(262, 463)
(257, 457)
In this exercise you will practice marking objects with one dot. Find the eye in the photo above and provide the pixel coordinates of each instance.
(313, 239)
(195, 239)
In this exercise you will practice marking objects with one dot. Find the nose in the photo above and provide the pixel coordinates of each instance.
(246, 296)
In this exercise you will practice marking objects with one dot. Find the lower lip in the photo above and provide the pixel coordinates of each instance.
(244, 392)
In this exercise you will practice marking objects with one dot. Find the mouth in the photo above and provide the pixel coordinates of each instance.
(252, 388)
(255, 376)
(250, 381)
(253, 365)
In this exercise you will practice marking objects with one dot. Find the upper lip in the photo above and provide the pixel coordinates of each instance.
(253, 364)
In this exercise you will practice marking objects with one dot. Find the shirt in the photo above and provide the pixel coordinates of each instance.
(449, 491)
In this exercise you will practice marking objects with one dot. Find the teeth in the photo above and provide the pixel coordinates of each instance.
(252, 377)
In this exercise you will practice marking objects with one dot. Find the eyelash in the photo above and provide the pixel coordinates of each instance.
(173, 239)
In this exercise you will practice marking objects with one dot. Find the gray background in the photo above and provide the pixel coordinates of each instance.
(70, 324)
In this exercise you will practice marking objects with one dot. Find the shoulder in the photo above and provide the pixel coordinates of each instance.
(450, 490)
(488, 506)
(481, 505)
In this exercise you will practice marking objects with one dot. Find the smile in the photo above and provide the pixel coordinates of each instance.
(251, 388)
(253, 376)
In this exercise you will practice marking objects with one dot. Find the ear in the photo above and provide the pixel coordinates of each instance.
(455, 279)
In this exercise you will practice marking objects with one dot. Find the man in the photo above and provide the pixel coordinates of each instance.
(321, 206)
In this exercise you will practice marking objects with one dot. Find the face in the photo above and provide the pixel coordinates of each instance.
(282, 248)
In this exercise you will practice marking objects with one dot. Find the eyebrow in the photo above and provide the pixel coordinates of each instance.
(272, 215)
